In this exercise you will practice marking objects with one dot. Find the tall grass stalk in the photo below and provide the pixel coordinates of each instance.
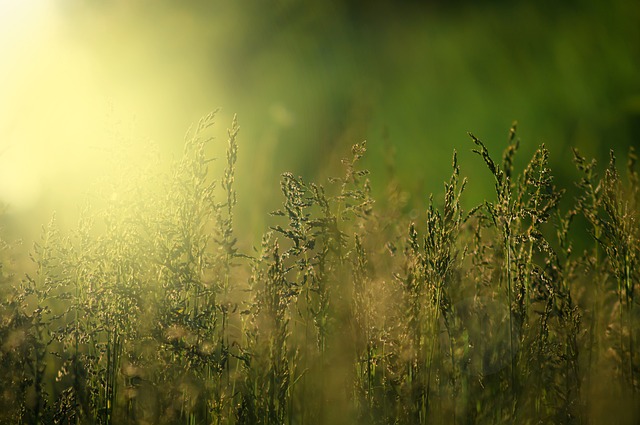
(350, 311)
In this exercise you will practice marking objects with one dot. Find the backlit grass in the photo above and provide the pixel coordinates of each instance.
(149, 312)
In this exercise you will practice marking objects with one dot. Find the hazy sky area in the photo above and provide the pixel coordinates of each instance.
(81, 79)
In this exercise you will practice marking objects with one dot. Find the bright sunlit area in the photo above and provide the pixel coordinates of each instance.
(306, 82)
(330, 212)
(79, 84)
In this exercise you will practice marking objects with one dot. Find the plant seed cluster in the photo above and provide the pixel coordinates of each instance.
(149, 313)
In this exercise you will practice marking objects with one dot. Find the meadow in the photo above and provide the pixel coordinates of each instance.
(522, 309)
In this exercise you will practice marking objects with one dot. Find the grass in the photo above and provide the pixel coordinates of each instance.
(149, 312)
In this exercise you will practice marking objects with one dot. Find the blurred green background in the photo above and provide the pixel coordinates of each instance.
(307, 80)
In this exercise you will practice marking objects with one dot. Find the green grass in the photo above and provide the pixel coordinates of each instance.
(349, 312)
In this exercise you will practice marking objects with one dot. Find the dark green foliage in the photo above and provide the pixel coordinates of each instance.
(348, 313)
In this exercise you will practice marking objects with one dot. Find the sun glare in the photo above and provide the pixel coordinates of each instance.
(21, 25)
(51, 108)
(20, 183)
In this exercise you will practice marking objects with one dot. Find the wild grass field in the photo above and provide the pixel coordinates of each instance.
(150, 311)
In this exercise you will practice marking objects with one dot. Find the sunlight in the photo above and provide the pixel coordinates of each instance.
(22, 25)
(75, 84)
(52, 108)
(20, 182)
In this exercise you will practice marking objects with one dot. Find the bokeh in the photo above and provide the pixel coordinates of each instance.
(80, 79)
